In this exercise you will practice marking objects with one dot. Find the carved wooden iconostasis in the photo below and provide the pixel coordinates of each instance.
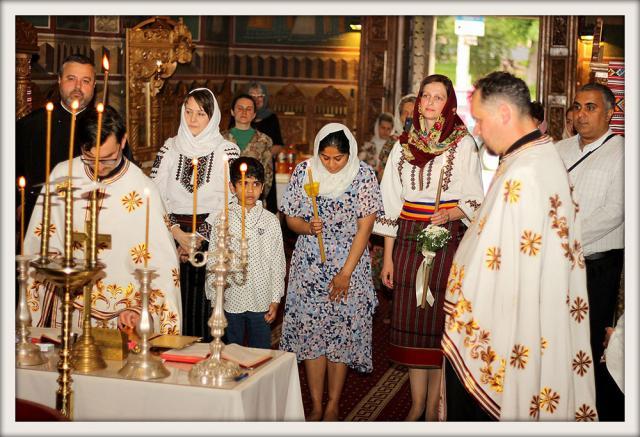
(313, 56)
(316, 69)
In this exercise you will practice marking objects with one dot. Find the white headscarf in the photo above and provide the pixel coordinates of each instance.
(398, 126)
(206, 141)
(334, 184)
(376, 140)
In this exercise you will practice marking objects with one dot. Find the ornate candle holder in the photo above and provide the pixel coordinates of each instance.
(197, 258)
(143, 365)
(68, 275)
(27, 353)
(86, 356)
(215, 371)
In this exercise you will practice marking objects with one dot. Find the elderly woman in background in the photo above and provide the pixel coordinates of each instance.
(403, 111)
(437, 140)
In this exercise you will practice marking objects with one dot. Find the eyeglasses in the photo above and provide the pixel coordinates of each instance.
(256, 96)
(87, 160)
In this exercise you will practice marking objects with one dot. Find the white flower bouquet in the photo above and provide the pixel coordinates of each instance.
(430, 239)
(433, 238)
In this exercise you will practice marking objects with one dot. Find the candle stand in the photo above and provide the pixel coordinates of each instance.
(27, 353)
(68, 275)
(215, 371)
(143, 365)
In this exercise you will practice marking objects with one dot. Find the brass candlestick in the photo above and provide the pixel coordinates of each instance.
(215, 371)
(27, 353)
(143, 365)
(68, 276)
(86, 355)
(46, 220)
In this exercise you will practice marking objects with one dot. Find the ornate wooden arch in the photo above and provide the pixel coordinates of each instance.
(155, 39)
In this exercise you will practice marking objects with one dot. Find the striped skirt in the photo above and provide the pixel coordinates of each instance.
(196, 308)
(415, 333)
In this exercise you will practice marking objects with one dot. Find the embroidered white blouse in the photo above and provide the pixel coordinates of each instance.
(173, 174)
(403, 181)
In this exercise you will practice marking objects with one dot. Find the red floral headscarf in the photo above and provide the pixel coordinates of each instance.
(420, 146)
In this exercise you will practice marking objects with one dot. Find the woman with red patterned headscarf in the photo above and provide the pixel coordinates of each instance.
(438, 140)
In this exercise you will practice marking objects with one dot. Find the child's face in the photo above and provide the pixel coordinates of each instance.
(253, 191)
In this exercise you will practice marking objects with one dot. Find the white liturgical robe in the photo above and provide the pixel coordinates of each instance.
(517, 315)
(121, 215)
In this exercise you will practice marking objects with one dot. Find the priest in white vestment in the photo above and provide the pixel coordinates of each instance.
(517, 324)
(122, 210)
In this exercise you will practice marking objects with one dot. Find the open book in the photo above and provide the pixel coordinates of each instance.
(190, 354)
(245, 356)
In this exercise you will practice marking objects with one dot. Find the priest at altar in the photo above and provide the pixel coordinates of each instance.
(122, 214)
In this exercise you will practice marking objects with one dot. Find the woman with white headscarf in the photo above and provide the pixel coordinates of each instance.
(198, 138)
(330, 305)
(370, 151)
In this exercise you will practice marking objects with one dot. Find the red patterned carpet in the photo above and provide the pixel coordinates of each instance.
(382, 395)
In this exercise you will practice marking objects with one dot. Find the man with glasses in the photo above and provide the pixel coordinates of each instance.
(123, 203)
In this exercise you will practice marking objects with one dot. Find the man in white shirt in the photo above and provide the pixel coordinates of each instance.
(595, 161)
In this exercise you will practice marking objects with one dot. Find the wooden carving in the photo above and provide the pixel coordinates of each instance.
(291, 106)
(154, 48)
(26, 46)
(330, 106)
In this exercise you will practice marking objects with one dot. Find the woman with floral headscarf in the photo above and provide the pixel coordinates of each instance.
(437, 139)
(198, 138)
(329, 305)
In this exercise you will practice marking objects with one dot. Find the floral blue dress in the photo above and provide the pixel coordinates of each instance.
(313, 325)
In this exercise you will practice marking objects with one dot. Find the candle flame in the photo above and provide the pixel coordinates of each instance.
(100, 107)
(49, 106)
(75, 105)
(105, 62)
(158, 63)
(22, 182)
(194, 161)
(243, 167)
(146, 192)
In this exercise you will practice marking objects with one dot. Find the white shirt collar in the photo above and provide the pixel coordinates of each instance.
(597, 143)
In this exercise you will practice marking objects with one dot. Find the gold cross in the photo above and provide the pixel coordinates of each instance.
(103, 241)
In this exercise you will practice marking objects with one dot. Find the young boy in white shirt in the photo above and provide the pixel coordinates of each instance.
(251, 302)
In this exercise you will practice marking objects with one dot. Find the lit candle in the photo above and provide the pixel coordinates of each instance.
(195, 194)
(146, 230)
(48, 152)
(100, 108)
(226, 188)
(22, 182)
(437, 203)
(158, 69)
(147, 95)
(74, 109)
(105, 65)
(243, 170)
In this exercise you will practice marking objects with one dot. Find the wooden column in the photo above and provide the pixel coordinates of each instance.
(377, 78)
(557, 69)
